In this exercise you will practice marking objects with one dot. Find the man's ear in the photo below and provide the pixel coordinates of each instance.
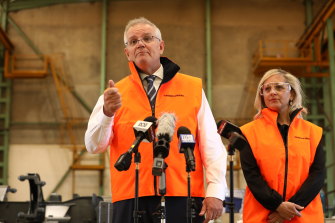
(161, 46)
(126, 52)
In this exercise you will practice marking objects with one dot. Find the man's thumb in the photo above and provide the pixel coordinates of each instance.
(110, 83)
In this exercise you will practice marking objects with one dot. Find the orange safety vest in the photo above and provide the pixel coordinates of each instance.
(268, 148)
(182, 95)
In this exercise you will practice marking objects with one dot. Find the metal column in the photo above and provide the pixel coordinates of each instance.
(330, 155)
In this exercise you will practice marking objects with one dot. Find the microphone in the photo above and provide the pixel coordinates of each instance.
(144, 131)
(226, 128)
(237, 141)
(186, 146)
(164, 133)
(233, 134)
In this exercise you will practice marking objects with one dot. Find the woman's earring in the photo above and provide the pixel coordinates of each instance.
(290, 102)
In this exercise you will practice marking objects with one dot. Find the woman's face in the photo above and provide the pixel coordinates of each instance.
(276, 93)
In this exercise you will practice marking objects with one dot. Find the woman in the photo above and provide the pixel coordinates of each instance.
(284, 165)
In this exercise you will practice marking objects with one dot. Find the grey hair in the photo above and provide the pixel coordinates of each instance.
(298, 94)
(140, 20)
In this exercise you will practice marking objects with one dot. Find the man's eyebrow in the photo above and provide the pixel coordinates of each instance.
(144, 34)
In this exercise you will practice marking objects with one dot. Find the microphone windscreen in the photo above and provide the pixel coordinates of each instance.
(166, 126)
(183, 130)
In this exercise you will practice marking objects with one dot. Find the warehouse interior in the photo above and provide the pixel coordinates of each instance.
(58, 55)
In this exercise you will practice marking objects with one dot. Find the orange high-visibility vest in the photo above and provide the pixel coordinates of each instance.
(268, 148)
(182, 96)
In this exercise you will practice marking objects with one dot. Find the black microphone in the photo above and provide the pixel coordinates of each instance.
(144, 131)
(186, 146)
(233, 134)
(225, 128)
(237, 141)
(165, 129)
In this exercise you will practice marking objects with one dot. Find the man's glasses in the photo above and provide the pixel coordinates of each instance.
(279, 87)
(145, 40)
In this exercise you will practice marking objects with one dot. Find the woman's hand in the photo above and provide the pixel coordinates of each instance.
(274, 217)
(288, 210)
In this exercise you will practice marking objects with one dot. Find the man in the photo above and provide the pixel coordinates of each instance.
(124, 103)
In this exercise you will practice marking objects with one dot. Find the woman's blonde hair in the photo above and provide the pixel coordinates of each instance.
(298, 94)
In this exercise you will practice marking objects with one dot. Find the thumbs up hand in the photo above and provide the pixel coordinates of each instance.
(112, 99)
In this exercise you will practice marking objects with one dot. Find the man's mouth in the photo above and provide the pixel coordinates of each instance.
(141, 53)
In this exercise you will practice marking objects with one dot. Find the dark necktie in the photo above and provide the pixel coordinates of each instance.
(151, 91)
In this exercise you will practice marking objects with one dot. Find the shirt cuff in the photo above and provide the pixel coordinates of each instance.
(215, 190)
(105, 120)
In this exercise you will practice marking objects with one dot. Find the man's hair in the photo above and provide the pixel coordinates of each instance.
(298, 94)
(137, 21)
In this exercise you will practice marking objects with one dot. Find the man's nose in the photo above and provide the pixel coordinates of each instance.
(140, 43)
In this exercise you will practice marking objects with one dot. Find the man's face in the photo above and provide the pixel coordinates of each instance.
(143, 47)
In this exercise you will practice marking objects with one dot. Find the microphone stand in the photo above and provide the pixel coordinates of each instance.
(137, 160)
(190, 202)
(236, 141)
(230, 204)
(162, 192)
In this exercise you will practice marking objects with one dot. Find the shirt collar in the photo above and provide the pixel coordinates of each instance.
(158, 73)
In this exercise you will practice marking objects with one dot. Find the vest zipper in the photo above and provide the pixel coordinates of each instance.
(153, 110)
(286, 166)
(285, 177)
(153, 143)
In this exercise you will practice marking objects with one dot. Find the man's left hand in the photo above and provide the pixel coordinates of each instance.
(212, 208)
